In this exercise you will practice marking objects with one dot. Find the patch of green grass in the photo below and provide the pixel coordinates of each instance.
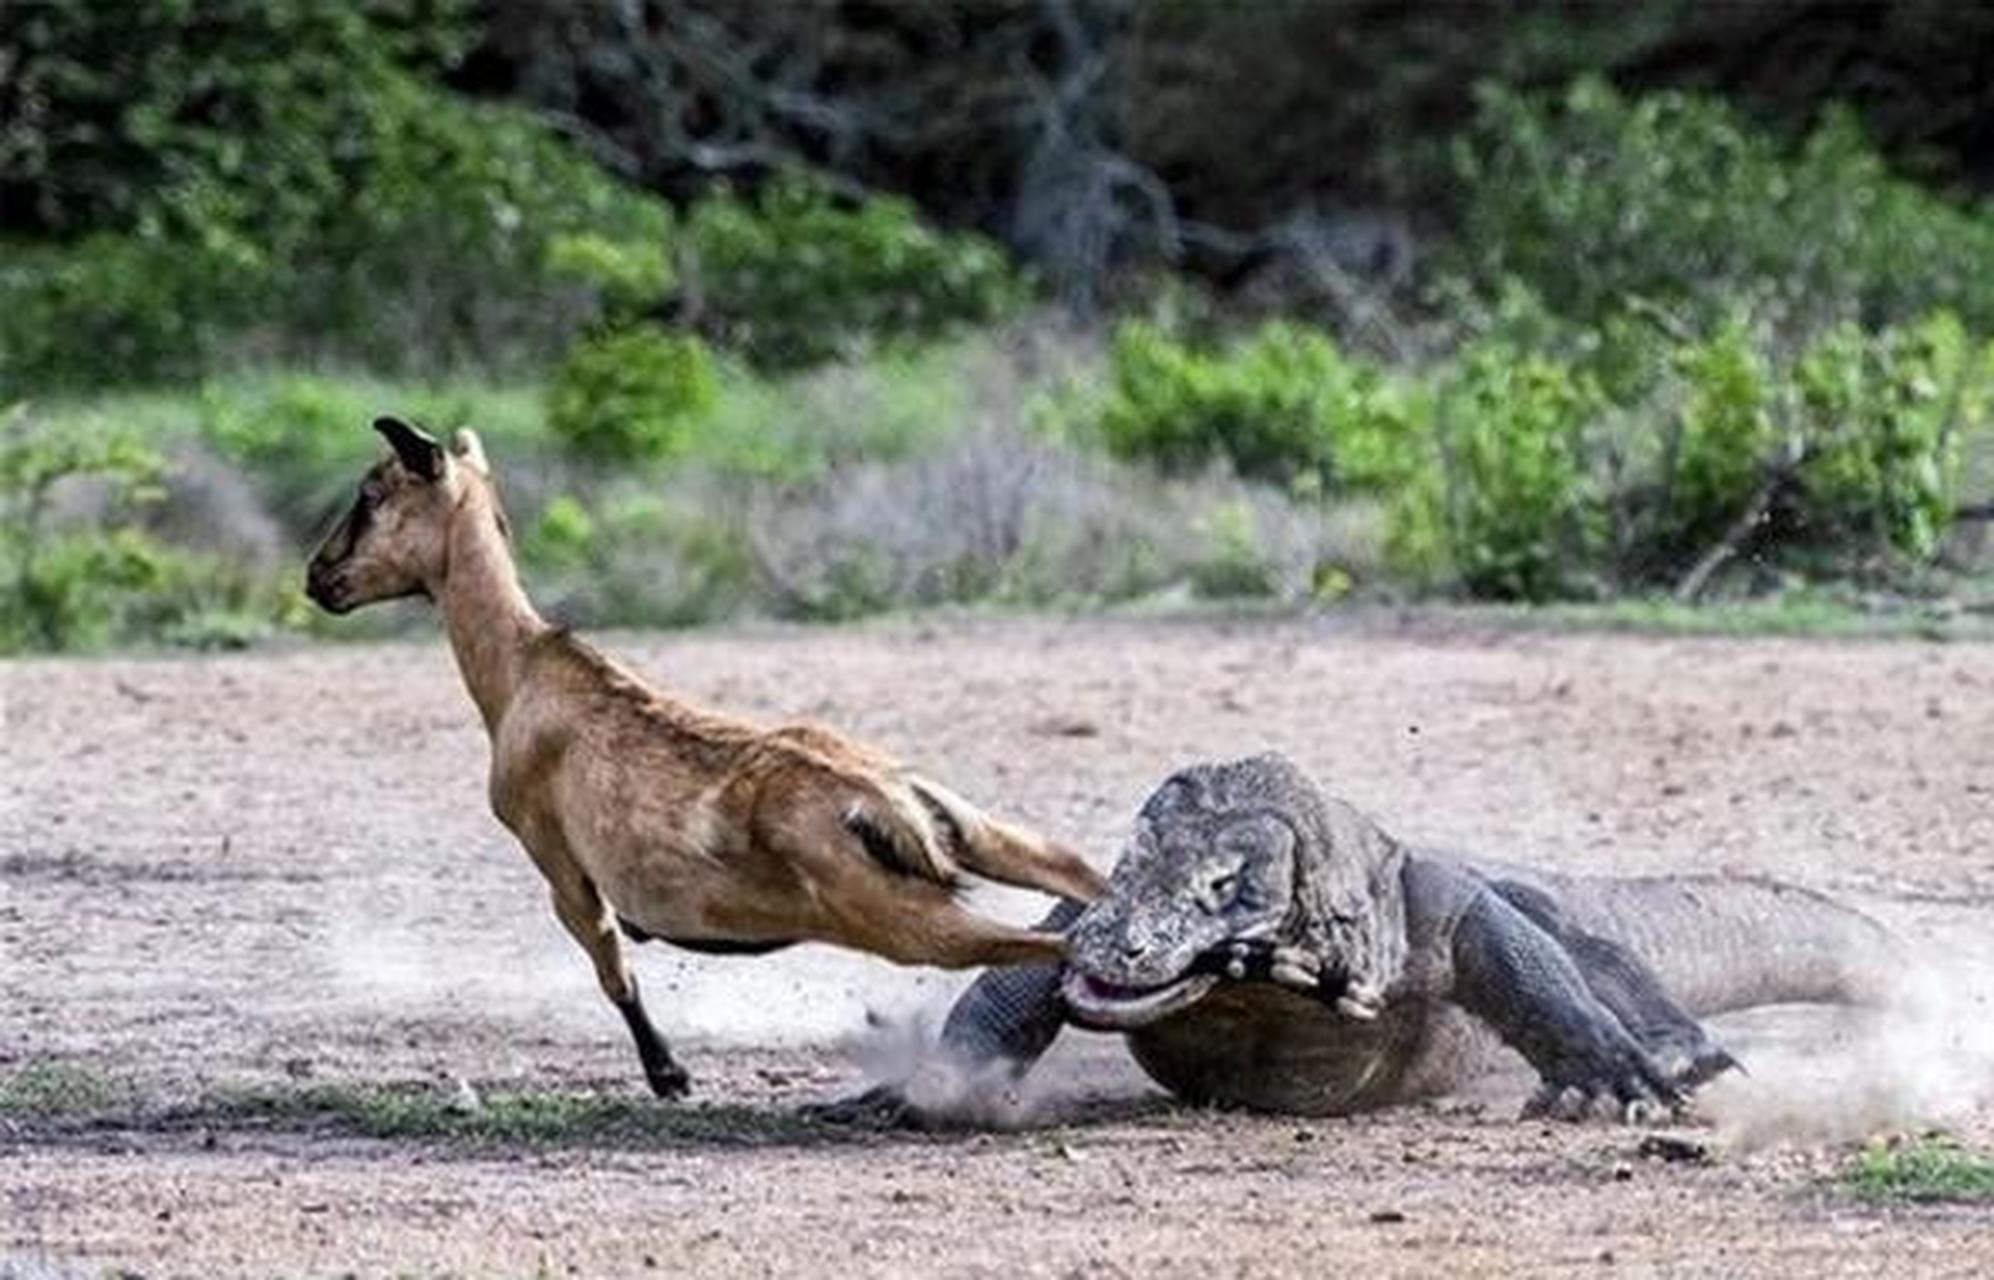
(1931, 1168)
(539, 1118)
(56, 1090)
(1802, 614)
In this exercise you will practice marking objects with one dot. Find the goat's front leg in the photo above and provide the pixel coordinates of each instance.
(588, 918)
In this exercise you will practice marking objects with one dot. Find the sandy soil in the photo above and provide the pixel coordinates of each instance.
(278, 870)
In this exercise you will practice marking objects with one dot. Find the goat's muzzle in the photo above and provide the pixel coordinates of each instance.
(327, 588)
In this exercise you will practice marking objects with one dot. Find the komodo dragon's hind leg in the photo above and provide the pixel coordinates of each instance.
(1624, 983)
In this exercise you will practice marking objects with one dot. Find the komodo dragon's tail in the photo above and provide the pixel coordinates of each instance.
(1729, 942)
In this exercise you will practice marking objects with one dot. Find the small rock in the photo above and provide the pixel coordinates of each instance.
(1662, 1146)
(1066, 727)
(465, 1100)
(1387, 1216)
(1623, 1173)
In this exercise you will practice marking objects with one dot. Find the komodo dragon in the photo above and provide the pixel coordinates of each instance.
(1264, 945)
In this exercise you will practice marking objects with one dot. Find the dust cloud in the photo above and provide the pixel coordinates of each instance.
(1924, 1058)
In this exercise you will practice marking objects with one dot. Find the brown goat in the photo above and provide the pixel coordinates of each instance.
(645, 812)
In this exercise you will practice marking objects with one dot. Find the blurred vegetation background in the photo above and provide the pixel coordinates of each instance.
(820, 308)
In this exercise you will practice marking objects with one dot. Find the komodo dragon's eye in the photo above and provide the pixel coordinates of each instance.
(1221, 890)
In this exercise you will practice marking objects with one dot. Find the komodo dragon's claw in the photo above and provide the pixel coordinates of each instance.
(880, 1107)
(1262, 960)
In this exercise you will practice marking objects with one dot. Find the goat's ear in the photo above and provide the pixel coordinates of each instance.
(466, 445)
(418, 450)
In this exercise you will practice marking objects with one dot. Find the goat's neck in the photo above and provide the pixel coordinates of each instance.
(485, 610)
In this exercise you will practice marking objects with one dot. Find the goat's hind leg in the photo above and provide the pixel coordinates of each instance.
(582, 910)
(942, 933)
(1010, 854)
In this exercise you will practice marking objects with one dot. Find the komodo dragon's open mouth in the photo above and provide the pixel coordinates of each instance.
(1110, 1007)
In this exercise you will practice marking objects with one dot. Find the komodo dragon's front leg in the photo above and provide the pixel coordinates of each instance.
(1628, 986)
(1522, 982)
(1497, 963)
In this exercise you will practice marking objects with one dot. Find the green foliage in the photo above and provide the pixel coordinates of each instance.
(630, 275)
(199, 174)
(1883, 419)
(497, 1116)
(1283, 405)
(65, 582)
(1842, 458)
(48, 1090)
(303, 439)
(1235, 566)
(631, 395)
(564, 537)
(1593, 199)
(793, 277)
(1520, 512)
(630, 555)
(138, 117)
(1926, 1169)
(1727, 436)
(114, 308)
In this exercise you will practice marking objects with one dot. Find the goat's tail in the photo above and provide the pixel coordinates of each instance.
(1003, 852)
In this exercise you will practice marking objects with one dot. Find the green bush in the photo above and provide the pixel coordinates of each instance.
(1593, 199)
(1841, 459)
(281, 171)
(111, 309)
(69, 582)
(1283, 405)
(632, 394)
(1884, 416)
(793, 277)
(1520, 513)
(631, 557)
(302, 439)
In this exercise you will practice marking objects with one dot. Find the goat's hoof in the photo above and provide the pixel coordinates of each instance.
(670, 1082)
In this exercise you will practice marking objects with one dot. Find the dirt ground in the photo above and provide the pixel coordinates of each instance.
(277, 871)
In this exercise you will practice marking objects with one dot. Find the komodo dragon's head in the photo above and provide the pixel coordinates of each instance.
(1244, 851)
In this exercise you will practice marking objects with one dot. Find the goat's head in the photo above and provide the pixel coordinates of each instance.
(393, 542)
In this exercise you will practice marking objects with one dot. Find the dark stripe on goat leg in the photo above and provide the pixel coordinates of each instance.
(667, 1078)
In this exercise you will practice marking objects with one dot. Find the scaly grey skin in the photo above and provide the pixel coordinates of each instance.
(1266, 946)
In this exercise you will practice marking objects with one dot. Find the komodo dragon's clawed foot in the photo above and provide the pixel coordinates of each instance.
(1578, 1103)
(880, 1107)
(1708, 1062)
(1297, 969)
